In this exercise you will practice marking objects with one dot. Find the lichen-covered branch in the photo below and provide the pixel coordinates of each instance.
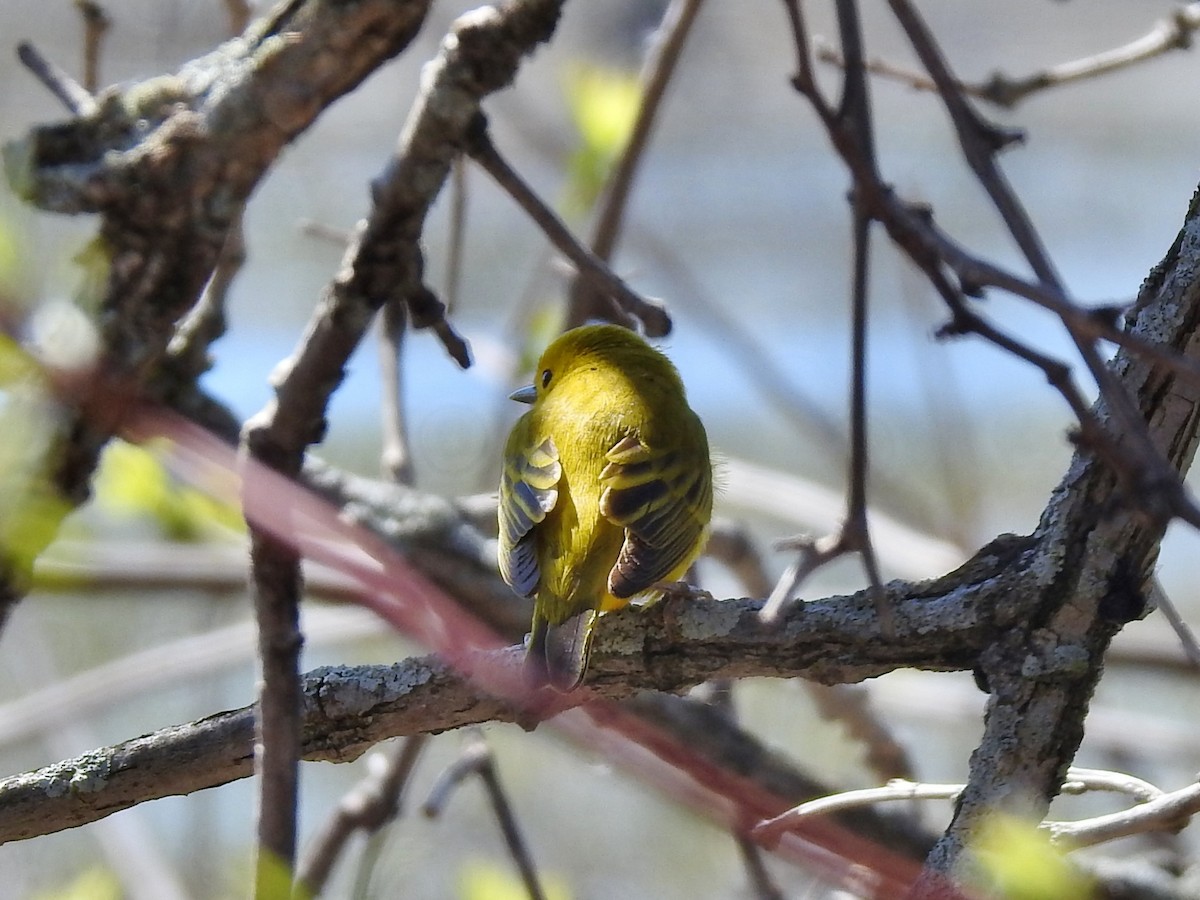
(674, 645)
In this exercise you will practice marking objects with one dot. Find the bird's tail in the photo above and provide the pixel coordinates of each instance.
(558, 654)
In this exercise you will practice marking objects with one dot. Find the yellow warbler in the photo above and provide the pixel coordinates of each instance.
(606, 492)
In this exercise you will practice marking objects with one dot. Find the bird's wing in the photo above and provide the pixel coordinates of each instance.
(528, 490)
(661, 498)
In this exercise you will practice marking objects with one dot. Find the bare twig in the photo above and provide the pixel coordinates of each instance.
(1147, 475)
(396, 456)
(898, 789)
(476, 759)
(1187, 640)
(626, 303)
(666, 47)
(187, 353)
(1172, 33)
(457, 232)
(1168, 812)
(853, 119)
(1080, 780)
(368, 806)
(1156, 809)
(811, 554)
(95, 25)
(855, 111)
(70, 92)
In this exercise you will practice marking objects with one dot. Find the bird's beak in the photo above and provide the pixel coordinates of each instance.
(525, 394)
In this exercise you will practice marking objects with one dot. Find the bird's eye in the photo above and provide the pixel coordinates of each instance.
(546, 376)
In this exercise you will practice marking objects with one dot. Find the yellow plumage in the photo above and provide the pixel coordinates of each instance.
(606, 491)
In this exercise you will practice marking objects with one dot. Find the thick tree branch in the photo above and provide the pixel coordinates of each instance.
(672, 646)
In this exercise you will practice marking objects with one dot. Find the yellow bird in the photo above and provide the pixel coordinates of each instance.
(606, 493)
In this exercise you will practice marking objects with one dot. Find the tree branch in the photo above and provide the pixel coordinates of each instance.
(1091, 565)
(168, 164)
(671, 646)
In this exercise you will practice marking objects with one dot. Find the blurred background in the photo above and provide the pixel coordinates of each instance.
(739, 222)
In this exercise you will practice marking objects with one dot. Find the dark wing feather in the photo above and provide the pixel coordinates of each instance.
(528, 490)
(662, 498)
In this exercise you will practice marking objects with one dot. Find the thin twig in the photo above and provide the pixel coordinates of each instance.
(396, 455)
(457, 233)
(1172, 33)
(205, 322)
(74, 96)
(1147, 479)
(1169, 812)
(805, 80)
(1007, 91)
(811, 554)
(368, 806)
(854, 117)
(1156, 808)
(666, 47)
(769, 831)
(1147, 475)
(626, 303)
(1080, 780)
(979, 140)
(95, 25)
(1187, 641)
(476, 759)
